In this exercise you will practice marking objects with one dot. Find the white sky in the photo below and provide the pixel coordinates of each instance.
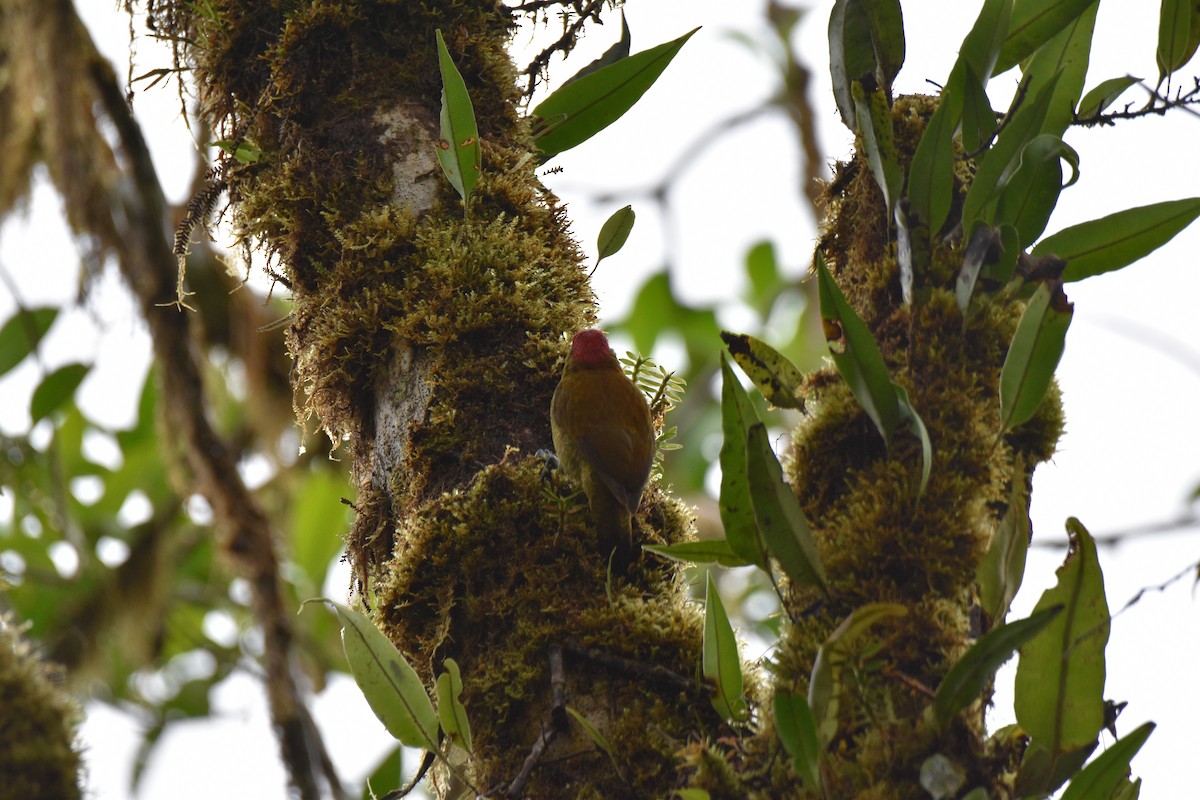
(1129, 456)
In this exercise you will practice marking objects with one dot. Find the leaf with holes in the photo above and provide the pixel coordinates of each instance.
(458, 149)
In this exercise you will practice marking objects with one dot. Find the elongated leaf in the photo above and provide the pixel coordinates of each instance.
(594, 734)
(1042, 771)
(1175, 44)
(966, 680)
(981, 47)
(885, 20)
(387, 681)
(1033, 355)
(931, 176)
(1059, 691)
(1131, 790)
(56, 389)
(21, 333)
(614, 232)
(451, 712)
(978, 118)
(1066, 55)
(866, 41)
(1030, 195)
(1035, 22)
(851, 54)
(998, 164)
(857, 356)
(824, 684)
(1102, 245)
(781, 523)
(764, 280)
(1104, 95)
(612, 55)
(917, 426)
(1104, 776)
(773, 374)
(874, 117)
(737, 511)
(1003, 566)
(705, 551)
(798, 732)
(580, 110)
(985, 240)
(458, 150)
(722, 666)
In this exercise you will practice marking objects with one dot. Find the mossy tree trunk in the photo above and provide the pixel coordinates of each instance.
(431, 343)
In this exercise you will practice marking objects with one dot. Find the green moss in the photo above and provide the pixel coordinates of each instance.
(39, 757)
(494, 574)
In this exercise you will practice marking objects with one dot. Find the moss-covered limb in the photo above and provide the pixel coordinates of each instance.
(39, 757)
(493, 575)
(881, 542)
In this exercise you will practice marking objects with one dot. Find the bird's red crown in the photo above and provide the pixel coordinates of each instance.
(590, 348)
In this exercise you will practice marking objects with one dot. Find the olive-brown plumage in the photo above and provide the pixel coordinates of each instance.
(604, 439)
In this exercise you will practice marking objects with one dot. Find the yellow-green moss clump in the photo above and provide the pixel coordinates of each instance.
(495, 574)
(39, 757)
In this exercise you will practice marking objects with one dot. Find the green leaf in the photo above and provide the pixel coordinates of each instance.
(243, 152)
(851, 54)
(451, 712)
(1003, 566)
(978, 117)
(692, 794)
(1131, 790)
(614, 232)
(1066, 55)
(773, 374)
(387, 775)
(458, 149)
(1104, 95)
(866, 40)
(763, 277)
(704, 551)
(874, 117)
(996, 166)
(21, 333)
(737, 511)
(917, 426)
(722, 666)
(1043, 771)
(1176, 40)
(580, 110)
(798, 732)
(1033, 354)
(1029, 196)
(1059, 690)
(388, 682)
(318, 519)
(931, 176)
(1102, 245)
(857, 356)
(56, 389)
(781, 523)
(1035, 22)
(982, 45)
(1105, 776)
(612, 55)
(824, 684)
(966, 680)
(593, 733)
